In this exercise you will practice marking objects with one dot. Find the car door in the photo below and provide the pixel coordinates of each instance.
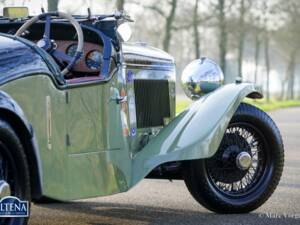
(90, 115)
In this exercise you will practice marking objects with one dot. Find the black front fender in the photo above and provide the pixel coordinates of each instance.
(12, 113)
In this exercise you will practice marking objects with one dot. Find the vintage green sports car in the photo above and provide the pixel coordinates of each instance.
(84, 114)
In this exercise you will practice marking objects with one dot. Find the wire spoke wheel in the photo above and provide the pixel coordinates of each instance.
(14, 175)
(8, 175)
(228, 174)
(246, 168)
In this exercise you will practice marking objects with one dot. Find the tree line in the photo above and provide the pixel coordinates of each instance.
(265, 32)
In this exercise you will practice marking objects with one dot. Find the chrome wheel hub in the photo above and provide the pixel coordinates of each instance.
(244, 161)
(4, 189)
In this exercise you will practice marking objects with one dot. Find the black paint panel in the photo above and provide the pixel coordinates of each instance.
(17, 58)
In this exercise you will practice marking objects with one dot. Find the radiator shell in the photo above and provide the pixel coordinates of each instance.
(150, 73)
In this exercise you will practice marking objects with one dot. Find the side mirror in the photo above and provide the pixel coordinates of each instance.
(125, 31)
(15, 12)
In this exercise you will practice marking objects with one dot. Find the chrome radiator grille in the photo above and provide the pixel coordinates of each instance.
(152, 102)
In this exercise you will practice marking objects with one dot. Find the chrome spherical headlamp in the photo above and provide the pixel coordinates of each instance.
(201, 77)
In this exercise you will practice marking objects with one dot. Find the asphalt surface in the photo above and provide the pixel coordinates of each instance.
(162, 202)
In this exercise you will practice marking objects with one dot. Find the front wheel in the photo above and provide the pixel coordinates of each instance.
(246, 169)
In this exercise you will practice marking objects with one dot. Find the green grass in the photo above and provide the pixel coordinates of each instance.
(182, 104)
(273, 104)
(262, 104)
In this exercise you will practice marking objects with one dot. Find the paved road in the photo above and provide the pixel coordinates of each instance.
(161, 202)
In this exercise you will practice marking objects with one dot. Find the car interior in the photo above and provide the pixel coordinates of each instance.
(89, 65)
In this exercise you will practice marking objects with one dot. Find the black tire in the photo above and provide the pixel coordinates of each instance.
(206, 182)
(14, 158)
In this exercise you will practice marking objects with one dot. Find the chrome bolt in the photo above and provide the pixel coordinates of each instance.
(244, 160)
(4, 189)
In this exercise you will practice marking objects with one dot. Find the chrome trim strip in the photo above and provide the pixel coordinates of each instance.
(49, 122)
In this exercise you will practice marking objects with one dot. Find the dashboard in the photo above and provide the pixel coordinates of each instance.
(91, 60)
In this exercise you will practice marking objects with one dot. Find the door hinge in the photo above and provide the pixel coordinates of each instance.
(67, 97)
(68, 143)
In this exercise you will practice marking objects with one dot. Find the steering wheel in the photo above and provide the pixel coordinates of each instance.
(49, 45)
